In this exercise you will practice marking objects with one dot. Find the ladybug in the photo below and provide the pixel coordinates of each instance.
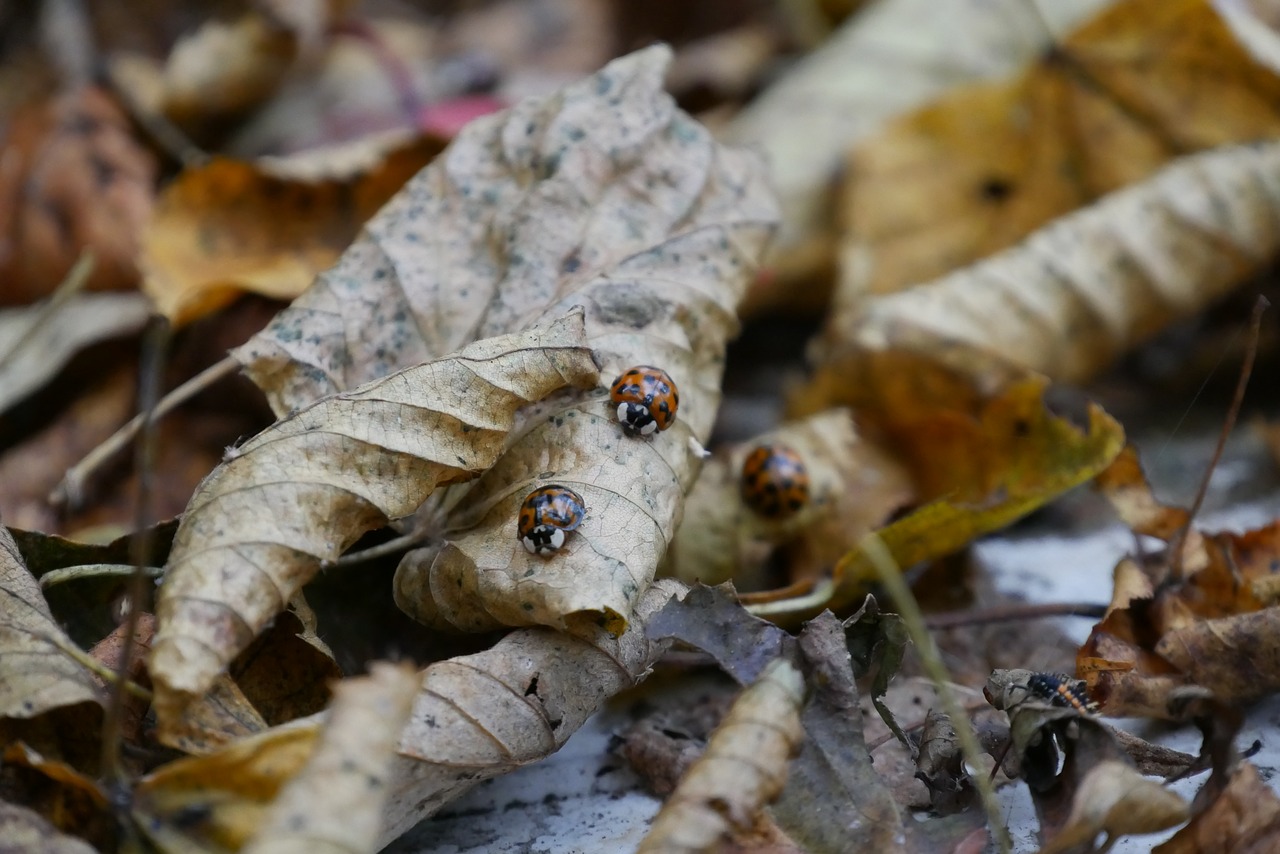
(1059, 689)
(647, 399)
(546, 515)
(775, 482)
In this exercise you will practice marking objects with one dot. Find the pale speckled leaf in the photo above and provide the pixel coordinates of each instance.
(891, 57)
(36, 674)
(335, 802)
(1084, 289)
(303, 490)
(474, 718)
(549, 201)
(744, 767)
(655, 230)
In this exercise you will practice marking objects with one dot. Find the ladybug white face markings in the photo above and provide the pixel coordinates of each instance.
(546, 516)
(646, 398)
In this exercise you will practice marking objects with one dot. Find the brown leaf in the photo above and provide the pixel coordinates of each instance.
(270, 226)
(1244, 818)
(302, 491)
(335, 802)
(74, 179)
(37, 673)
(1115, 799)
(743, 768)
(1138, 84)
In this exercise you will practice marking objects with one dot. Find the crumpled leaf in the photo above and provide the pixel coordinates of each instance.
(74, 179)
(1197, 621)
(83, 320)
(743, 768)
(836, 96)
(1244, 817)
(476, 717)
(835, 799)
(335, 802)
(1114, 799)
(1139, 83)
(267, 226)
(24, 830)
(854, 487)
(1084, 289)
(992, 457)
(306, 488)
(36, 673)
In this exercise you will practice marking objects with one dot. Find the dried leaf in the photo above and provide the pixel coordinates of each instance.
(835, 799)
(74, 179)
(223, 70)
(995, 458)
(603, 195)
(37, 673)
(1244, 818)
(836, 96)
(657, 240)
(743, 768)
(475, 717)
(1138, 84)
(1089, 286)
(269, 226)
(303, 490)
(24, 830)
(81, 321)
(335, 802)
(1114, 799)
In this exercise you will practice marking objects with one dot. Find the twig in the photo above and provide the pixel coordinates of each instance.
(1233, 412)
(891, 577)
(93, 570)
(872, 746)
(70, 491)
(1010, 613)
(154, 349)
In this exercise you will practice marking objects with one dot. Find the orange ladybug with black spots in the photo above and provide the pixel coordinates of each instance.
(546, 516)
(775, 482)
(646, 399)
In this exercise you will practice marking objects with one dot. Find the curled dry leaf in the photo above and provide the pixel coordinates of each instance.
(1199, 621)
(1114, 799)
(269, 226)
(806, 121)
(744, 766)
(335, 802)
(475, 717)
(37, 674)
(853, 488)
(74, 178)
(1140, 83)
(1244, 817)
(1084, 289)
(303, 490)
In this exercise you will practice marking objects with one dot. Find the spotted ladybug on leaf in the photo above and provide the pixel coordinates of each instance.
(775, 482)
(546, 516)
(646, 398)
(1059, 689)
